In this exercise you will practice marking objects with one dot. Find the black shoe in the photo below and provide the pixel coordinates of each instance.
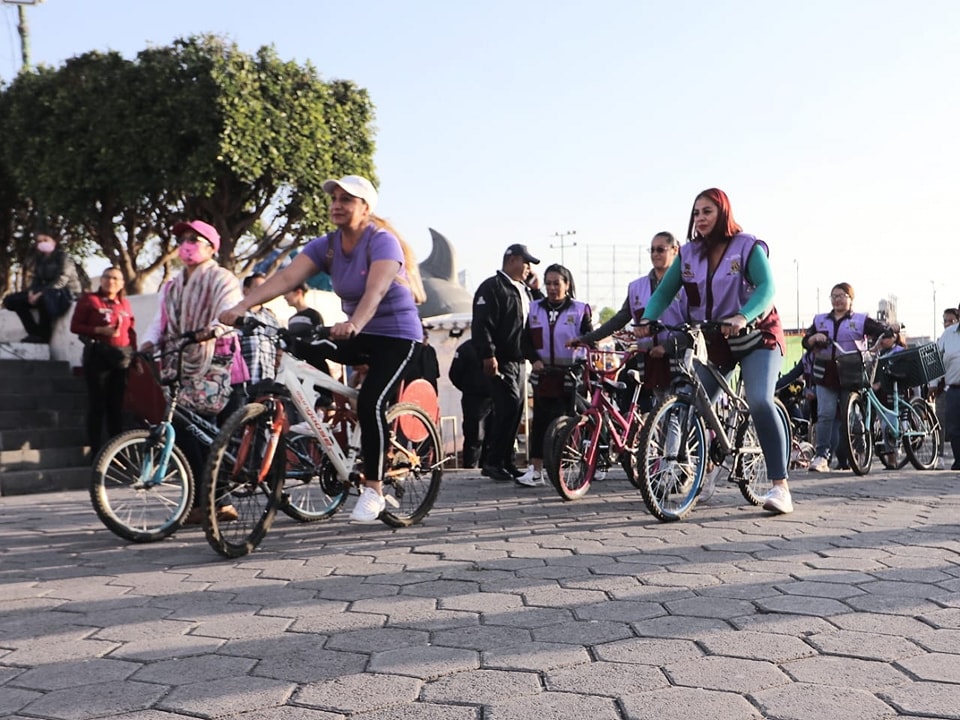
(35, 339)
(955, 466)
(514, 470)
(496, 473)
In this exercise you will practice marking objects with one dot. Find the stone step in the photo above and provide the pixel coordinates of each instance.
(18, 351)
(35, 368)
(45, 458)
(40, 438)
(38, 385)
(63, 401)
(42, 419)
(24, 482)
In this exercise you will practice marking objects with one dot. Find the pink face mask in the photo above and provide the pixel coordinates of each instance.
(46, 246)
(190, 253)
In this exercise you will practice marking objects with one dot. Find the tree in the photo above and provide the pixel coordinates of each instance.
(122, 150)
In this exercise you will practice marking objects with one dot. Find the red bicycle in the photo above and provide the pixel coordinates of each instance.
(602, 435)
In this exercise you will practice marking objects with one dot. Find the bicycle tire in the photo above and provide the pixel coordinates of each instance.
(552, 446)
(881, 449)
(574, 474)
(233, 477)
(628, 458)
(857, 434)
(672, 459)
(414, 466)
(750, 465)
(922, 450)
(311, 489)
(128, 508)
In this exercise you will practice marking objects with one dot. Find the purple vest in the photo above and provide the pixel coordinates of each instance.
(550, 340)
(849, 333)
(729, 289)
(638, 295)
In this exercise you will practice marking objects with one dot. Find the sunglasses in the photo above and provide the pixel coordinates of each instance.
(658, 250)
(196, 239)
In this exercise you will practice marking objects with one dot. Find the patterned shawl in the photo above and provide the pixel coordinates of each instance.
(195, 305)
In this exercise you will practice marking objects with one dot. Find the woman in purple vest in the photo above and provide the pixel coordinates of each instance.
(727, 278)
(377, 279)
(552, 324)
(653, 365)
(851, 331)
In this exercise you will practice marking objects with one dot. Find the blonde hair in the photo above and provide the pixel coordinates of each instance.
(410, 266)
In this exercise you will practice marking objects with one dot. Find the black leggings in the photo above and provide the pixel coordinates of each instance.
(387, 358)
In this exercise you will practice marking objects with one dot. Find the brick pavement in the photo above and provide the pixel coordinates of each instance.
(505, 604)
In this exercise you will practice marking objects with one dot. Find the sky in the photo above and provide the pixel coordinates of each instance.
(831, 125)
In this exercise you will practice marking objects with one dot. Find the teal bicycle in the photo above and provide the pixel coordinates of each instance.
(870, 426)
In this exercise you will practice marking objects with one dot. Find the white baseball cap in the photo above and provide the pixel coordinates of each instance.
(355, 185)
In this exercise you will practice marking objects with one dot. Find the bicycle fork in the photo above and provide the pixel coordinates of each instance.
(151, 476)
(250, 437)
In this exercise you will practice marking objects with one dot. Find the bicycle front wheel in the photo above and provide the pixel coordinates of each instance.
(750, 465)
(857, 434)
(574, 471)
(414, 466)
(672, 459)
(553, 446)
(922, 444)
(245, 472)
(311, 489)
(628, 458)
(127, 497)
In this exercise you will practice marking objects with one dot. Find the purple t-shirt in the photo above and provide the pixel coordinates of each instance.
(396, 316)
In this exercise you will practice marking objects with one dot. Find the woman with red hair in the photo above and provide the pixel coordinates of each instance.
(727, 279)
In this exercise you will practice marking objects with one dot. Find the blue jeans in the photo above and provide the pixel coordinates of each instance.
(760, 370)
(828, 428)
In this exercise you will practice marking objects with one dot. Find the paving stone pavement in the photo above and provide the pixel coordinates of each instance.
(506, 603)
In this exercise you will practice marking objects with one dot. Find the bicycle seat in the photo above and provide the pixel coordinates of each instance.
(614, 384)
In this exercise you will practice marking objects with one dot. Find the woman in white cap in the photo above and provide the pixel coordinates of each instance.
(375, 275)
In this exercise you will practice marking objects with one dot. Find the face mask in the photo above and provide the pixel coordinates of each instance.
(46, 246)
(190, 253)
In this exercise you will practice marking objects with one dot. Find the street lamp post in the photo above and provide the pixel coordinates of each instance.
(933, 284)
(796, 264)
(562, 246)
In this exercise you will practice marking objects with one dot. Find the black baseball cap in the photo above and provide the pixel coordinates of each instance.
(521, 250)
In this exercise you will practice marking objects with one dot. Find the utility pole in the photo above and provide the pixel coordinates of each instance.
(562, 246)
(797, 264)
(23, 29)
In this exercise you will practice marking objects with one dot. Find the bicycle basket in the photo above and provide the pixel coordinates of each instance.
(855, 370)
(916, 366)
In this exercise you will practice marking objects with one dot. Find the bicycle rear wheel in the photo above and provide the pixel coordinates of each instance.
(126, 500)
(574, 472)
(243, 471)
(892, 455)
(672, 459)
(553, 445)
(750, 465)
(923, 449)
(857, 434)
(628, 458)
(311, 489)
(414, 466)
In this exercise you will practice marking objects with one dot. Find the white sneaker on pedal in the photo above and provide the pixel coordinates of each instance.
(531, 478)
(709, 485)
(369, 506)
(302, 428)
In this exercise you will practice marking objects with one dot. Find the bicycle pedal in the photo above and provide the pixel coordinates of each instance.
(391, 501)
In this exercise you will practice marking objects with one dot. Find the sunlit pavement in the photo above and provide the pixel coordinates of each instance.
(506, 603)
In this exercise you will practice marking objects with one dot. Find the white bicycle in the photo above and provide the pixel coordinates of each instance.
(257, 466)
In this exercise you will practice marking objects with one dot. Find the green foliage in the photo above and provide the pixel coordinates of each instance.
(605, 314)
(121, 150)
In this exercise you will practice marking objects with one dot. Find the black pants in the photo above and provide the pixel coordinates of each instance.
(387, 358)
(504, 389)
(41, 328)
(105, 390)
(477, 428)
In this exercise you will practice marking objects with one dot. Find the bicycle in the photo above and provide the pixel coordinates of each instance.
(870, 426)
(255, 467)
(142, 486)
(685, 434)
(601, 435)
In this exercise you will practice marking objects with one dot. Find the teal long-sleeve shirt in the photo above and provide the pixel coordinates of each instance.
(758, 269)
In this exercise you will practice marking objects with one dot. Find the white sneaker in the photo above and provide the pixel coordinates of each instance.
(531, 478)
(600, 475)
(709, 485)
(778, 500)
(369, 506)
(302, 428)
(819, 464)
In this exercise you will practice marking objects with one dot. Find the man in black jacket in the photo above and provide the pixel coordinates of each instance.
(500, 308)
(466, 374)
